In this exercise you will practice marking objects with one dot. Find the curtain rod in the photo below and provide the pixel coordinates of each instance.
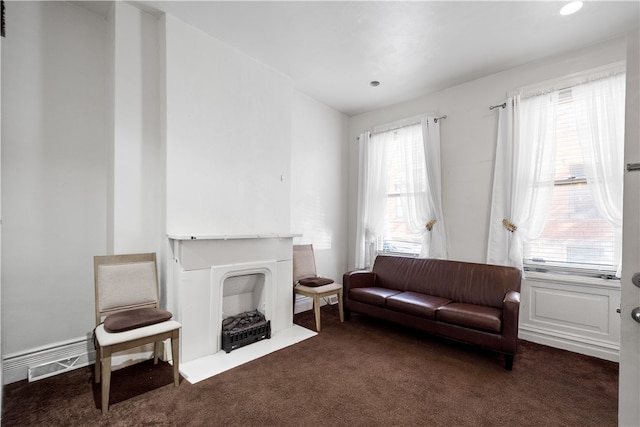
(435, 120)
(503, 105)
(406, 125)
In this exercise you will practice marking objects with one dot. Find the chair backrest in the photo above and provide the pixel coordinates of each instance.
(304, 262)
(125, 282)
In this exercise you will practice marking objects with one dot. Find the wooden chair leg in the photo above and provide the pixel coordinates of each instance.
(106, 379)
(316, 309)
(340, 307)
(96, 373)
(175, 356)
(156, 351)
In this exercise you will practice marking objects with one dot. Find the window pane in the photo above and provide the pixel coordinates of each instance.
(405, 145)
(575, 234)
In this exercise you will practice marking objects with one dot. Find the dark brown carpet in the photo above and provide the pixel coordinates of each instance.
(359, 373)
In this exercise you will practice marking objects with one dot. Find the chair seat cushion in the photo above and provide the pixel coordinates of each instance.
(105, 338)
(330, 288)
(133, 319)
(314, 282)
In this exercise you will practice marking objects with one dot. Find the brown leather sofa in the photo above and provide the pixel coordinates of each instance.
(473, 303)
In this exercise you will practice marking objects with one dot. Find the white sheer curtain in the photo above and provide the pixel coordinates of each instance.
(421, 198)
(372, 197)
(417, 147)
(524, 176)
(600, 113)
(414, 197)
(435, 244)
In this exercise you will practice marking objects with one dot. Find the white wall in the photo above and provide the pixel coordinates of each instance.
(91, 108)
(136, 153)
(89, 181)
(468, 139)
(135, 216)
(54, 167)
(228, 135)
(318, 176)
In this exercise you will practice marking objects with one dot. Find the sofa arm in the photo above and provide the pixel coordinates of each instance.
(358, 279)
(510, 314)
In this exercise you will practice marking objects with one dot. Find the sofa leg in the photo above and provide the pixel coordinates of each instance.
(508, 362)
(347, 315)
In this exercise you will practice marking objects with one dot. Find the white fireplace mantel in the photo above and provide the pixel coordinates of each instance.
(200, 263)
(234, 236)
(197, 252)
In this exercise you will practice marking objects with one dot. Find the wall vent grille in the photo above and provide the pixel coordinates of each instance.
(49, 369)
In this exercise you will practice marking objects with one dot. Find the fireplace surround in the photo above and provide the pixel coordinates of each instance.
(213, 277)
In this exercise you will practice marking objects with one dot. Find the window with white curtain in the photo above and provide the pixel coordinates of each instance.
(399, 192)
(583, 224)
(406, 187)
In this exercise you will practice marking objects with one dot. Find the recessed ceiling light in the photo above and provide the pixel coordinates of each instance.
(374, 83)
(571, 8)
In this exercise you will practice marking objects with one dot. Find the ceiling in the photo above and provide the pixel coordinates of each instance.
(332, 49)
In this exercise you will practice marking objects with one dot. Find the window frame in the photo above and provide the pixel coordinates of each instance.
(390, 127)
(559, 84)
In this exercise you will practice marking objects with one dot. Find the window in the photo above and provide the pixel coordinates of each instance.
(405, 162)
(399, 207)
(577, 235)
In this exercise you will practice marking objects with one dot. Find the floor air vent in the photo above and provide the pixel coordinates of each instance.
(50, 369)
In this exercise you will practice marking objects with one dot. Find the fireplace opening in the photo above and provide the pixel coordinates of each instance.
(243, 311)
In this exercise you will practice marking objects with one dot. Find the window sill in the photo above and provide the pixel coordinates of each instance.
(572, 279)
(399, 254)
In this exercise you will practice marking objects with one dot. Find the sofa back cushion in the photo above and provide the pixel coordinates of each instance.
(471, 283)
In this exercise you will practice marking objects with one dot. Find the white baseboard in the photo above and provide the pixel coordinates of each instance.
(15, 367)
(600, 349)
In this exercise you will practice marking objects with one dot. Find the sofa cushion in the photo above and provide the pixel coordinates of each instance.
(416, 304)
(374, 296)
(471, 315)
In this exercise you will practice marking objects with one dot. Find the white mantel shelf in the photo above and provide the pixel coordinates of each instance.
(236, 236)
(201, 251)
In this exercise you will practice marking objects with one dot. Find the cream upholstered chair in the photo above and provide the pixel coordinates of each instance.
(128, 314)
(304, 266)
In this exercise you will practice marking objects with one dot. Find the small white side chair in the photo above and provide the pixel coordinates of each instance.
(304, 266)
(127, 285)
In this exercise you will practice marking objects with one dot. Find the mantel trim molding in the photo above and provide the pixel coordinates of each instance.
(234, 236)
